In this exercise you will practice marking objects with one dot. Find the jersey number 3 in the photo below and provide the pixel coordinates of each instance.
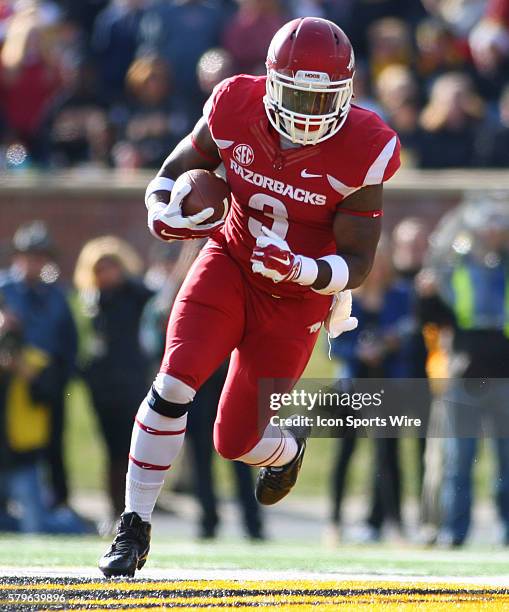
(273, 209)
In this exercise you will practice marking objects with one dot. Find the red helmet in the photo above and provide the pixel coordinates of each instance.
(310, 67)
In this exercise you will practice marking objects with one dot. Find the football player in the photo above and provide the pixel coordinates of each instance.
(306, 169)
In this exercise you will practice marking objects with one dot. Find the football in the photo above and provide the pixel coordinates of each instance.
(208, 190)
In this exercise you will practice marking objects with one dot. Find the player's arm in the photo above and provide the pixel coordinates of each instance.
(357, 228)
(196, 150)
(165, 220)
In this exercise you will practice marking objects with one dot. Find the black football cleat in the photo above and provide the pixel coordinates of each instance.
(274, 483)
(129, 550)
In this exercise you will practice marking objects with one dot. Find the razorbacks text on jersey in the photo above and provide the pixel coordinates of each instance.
(296, 191)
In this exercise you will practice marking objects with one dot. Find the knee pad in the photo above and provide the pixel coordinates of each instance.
(169, 396)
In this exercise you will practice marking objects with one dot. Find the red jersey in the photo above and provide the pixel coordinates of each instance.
(295, 191)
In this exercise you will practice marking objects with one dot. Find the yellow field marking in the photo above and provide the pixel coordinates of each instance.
(300, 598)
(292, 595)
(238, 585)
(371, 606)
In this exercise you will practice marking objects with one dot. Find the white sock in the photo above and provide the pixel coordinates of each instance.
(276, 448)
(155, 443)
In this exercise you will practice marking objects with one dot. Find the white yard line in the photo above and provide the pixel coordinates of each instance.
(263, 575)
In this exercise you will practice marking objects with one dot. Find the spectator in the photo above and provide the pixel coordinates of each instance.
(29, 74)
(31, 293)
(460, 15)
(381, 347)
(115, 39)
(438, 51)
(24, 428)
(389, 43)
(489, 40)
(180, 33)
(363, 96)
(494, 145)
(249, 32)
(470, 281)
(451, 123)
(410, 245)
(366, 12)
(395, 42)
(398, 93)
(153, 123)
(77, 124)
(83, 14)
(112, 298)
(25, 422)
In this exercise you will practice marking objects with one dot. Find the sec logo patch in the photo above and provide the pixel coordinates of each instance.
(243, 154)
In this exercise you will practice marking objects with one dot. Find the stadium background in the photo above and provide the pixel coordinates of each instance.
(80, 137)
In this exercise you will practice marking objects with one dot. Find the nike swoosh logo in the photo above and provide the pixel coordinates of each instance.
(306, 174)
(283, 261)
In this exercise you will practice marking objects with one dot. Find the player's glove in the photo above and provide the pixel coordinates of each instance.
(273, 258)
(340, 320)
(167, 223)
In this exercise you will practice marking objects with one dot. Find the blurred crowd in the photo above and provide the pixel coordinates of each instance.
(117, 83)
(107, 330)
(435, 308)
(434, 311)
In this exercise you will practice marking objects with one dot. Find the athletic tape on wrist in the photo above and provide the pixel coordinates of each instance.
(308, 271)
(159, 183)
(339, 277)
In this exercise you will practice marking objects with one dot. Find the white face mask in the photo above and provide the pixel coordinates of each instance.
(308, 108)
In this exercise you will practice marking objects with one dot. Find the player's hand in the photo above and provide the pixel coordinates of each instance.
(167, 223)
(340, 320)
(273, 258)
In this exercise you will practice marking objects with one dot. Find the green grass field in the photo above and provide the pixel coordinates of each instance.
(383, 560)
(58, 573)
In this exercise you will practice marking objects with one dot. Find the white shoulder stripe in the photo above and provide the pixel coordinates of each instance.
(376, 172)
(207, 108)
(223, 144)
(340, 187)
